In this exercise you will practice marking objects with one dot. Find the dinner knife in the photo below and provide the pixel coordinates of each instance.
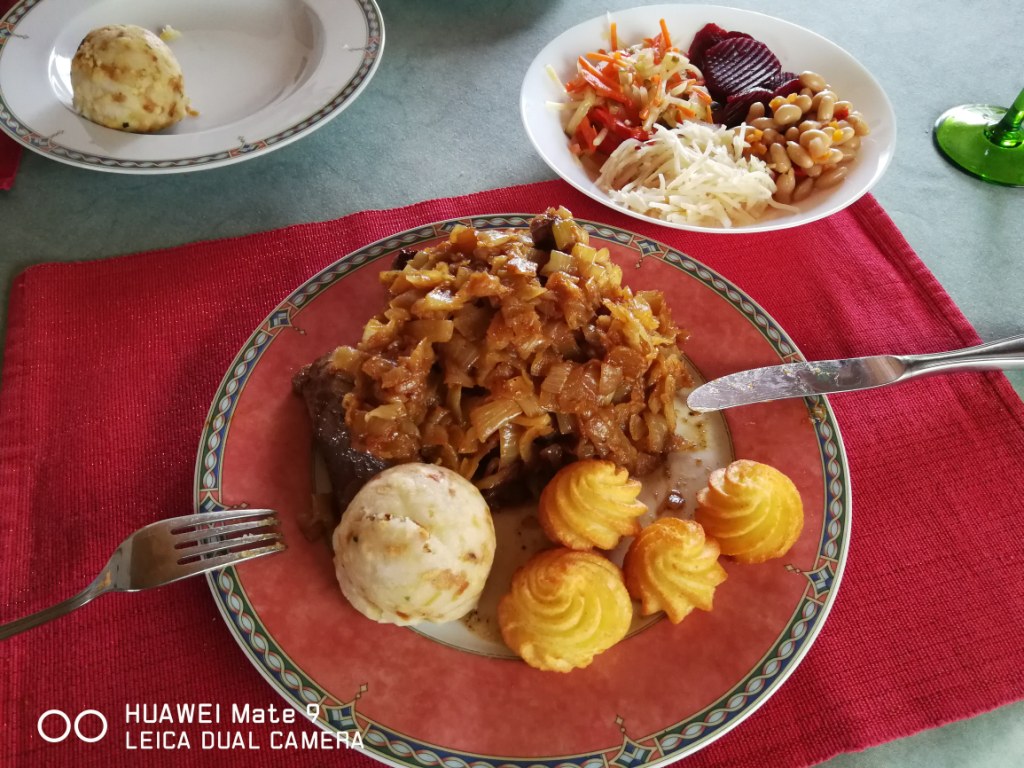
(827, 377)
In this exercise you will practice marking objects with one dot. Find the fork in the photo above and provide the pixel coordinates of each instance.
(169, 550)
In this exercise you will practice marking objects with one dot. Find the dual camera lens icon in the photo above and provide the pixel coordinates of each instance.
(70, 725)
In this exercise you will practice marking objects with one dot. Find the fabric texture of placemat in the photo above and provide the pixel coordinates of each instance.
(111, 366)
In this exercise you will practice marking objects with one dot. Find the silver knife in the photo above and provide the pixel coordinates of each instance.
(827, 377)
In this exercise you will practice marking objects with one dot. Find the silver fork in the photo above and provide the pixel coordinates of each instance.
(169, 550)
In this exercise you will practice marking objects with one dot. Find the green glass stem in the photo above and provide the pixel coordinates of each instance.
(1008, 131)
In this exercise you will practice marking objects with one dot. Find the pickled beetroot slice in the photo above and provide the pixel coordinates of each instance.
(738, 64)
(709, 35)
(786, 84)
(735, 109)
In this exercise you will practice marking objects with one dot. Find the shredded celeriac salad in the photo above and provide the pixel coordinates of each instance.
(695, 174)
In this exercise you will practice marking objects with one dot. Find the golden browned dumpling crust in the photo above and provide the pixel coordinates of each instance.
(590, 503)
(564, 608)
(752, 510)
(672, 567)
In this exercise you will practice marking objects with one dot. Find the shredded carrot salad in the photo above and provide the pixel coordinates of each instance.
(622, 93)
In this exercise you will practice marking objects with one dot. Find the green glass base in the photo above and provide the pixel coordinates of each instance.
(960, 136)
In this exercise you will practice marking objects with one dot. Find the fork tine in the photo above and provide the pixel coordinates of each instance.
(180, 524)
(232, 558)
(237, 544)
(183, 540)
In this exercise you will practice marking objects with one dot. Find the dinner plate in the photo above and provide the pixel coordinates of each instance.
(425, 696)
(798, 50)
(261, 73)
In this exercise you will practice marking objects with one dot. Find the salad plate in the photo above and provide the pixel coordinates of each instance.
(798, 49)
(427, 696)
(260, 73)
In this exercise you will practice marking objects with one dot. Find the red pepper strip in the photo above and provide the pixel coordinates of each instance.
(655, 43)
(586, 134)
(576, 84)
(616, 126)
(610, 72)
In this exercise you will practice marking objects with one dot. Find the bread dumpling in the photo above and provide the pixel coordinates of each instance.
(672, 567)
(416, 544)
(752, 510)
(125, 77)
(590, 503)
(564, 608)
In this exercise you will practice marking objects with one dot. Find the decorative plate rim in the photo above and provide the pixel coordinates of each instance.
(25, 136)
(651, 751)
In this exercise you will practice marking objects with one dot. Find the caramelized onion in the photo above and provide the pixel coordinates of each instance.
(501, 360)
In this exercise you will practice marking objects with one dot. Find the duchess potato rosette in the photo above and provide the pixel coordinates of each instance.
(590, 503)
(753, 510)
(564, 608)
(673, 567)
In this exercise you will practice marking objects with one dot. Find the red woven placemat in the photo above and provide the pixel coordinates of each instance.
(110, 368)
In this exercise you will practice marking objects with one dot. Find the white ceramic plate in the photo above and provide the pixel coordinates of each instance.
(261, 73)
(798, 49)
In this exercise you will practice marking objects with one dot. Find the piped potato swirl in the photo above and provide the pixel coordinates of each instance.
(753, 510)
(672, 566)
(591, 503)
(564, 608)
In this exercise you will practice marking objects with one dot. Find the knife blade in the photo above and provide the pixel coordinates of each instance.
(797, 379)
(828, 377)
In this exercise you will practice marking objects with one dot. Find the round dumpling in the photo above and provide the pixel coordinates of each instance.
(564, 608)
(672, 567)
(590, 503)
(416, 544)
(125, 77)
(752, 510)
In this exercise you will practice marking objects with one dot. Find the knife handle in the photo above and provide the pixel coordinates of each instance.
(993, 356)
